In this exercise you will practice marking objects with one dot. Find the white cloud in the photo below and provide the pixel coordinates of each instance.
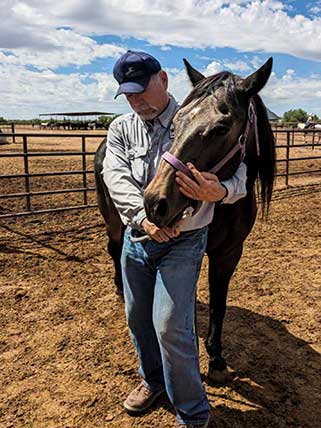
(315, 10)
(289, 74)
(237, 65)
(25, 93)
(262, 25)
(212, 68)
(243, 25)
(66, 48)
(290, 92)
(179, 84)
(314, 7)
(38, 36)
(216, 66)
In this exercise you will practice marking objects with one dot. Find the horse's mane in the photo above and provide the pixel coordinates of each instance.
(266, 162)
(267, 157)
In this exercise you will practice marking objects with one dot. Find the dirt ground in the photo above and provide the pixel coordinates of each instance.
(65, 355)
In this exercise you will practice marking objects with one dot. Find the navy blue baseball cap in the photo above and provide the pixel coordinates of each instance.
(133, 71)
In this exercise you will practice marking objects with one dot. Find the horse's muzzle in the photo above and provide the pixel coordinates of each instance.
(160, 211)
(157, 210)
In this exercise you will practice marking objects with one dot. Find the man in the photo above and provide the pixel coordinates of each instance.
(160, 274)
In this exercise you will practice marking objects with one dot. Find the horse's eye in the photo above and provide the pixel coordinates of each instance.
(221, 130)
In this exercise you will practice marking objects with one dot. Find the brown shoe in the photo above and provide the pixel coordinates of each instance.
(141, 398)
(199, 425)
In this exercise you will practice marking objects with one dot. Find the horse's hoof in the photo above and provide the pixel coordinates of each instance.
(220, 377)
(218, 371)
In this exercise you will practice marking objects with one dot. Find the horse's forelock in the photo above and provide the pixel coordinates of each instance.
(209, 85)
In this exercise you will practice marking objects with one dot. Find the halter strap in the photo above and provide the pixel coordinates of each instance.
(177, 164)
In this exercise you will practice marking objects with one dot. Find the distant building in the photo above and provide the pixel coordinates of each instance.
(272, 116)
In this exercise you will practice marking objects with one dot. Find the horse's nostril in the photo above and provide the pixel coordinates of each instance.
(161, 208)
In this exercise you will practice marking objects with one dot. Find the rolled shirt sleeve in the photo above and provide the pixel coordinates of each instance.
(236, 185)
(124, 190)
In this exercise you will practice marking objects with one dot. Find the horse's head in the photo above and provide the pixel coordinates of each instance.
(207, 126)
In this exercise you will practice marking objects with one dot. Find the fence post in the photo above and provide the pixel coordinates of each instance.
(84, 173)
(26, 168)
(287, 157)
(313, 136)
(13, 132)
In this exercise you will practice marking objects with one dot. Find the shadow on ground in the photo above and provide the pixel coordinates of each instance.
(276, 375)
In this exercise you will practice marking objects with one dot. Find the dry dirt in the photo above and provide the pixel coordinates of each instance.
(65, 355)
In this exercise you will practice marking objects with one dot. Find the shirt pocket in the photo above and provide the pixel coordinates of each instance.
(138, 159)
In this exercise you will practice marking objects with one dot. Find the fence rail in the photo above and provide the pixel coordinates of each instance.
(8, 128)
(292, 139)
(27, 155)
(287, 140)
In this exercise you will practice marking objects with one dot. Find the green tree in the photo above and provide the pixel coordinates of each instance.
(296, 115)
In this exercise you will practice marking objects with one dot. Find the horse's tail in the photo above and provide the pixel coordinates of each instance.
(267, 156)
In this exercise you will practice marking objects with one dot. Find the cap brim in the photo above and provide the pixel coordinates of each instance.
(132, 87)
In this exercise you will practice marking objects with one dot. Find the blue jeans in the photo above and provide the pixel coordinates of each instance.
(160, 287)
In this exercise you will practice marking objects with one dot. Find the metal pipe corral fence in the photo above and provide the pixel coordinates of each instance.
(287, 140)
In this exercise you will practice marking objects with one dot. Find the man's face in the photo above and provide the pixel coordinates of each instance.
(153, 101)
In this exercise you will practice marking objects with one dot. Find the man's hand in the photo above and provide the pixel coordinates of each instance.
(206, 188)
(160, 235)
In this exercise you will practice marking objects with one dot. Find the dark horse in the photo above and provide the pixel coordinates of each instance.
(211, 121)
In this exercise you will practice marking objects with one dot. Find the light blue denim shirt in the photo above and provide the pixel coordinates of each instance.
(134, 151)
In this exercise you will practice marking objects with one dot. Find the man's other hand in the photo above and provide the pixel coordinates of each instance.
(158, 234)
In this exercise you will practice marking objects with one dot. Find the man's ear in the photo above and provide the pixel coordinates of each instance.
(164, 78)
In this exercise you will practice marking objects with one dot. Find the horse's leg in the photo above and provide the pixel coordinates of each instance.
(221, 267)
(115, 228)
(115, 232)
(114, 247)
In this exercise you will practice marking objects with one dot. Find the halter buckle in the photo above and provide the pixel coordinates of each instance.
(241, 140)
(251, 113)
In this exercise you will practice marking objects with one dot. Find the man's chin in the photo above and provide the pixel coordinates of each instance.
(150, 115)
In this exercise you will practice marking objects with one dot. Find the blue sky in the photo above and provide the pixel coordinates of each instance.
(58, 56)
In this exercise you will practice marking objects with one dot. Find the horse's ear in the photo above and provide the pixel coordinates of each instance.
(194, 75)
(252, 84)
